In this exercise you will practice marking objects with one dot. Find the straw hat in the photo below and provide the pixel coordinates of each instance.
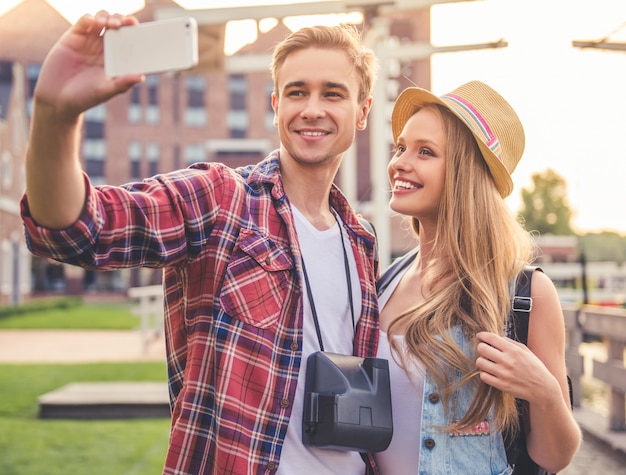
(492, 121)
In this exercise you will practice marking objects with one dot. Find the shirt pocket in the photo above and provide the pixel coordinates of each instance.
(257, 280)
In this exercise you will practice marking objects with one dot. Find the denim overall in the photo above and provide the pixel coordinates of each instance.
(479, 451)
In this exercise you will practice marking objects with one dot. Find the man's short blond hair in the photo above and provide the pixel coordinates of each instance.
(342, 37)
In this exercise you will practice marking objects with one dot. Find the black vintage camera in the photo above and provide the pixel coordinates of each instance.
(347, 403)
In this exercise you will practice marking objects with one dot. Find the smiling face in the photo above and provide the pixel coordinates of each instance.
(417, 169)
(316, 106)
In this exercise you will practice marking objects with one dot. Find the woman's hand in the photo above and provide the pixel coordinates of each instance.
(510, 366)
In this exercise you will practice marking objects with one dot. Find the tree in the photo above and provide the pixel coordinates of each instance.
(545, 207)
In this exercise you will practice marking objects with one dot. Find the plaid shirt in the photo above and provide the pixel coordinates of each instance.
(233, 299)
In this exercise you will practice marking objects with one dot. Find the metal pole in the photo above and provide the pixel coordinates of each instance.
(379, 145)
(583, 277)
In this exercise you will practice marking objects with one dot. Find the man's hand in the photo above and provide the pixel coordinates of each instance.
(72, 77)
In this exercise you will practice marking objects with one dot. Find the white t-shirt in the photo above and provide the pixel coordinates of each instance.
(323, 256)
(402, 455)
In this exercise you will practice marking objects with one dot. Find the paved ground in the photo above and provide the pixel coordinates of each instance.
(596, 458)
(53, 346)
(84, 346)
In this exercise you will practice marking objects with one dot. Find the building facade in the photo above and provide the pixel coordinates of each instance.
(174, 119)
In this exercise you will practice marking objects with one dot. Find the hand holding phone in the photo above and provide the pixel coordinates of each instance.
(151, 47)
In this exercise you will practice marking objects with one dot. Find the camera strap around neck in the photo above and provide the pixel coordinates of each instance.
(348, 280)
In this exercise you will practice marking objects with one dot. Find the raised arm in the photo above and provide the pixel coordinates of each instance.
(72, 80)
(537, 373)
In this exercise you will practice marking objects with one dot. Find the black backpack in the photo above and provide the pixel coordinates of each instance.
(517, 328)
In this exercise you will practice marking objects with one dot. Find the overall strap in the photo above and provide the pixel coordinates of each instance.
(370, 227)
(394, 269)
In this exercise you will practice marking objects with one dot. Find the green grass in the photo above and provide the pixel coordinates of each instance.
(32, 446)
(114, 316)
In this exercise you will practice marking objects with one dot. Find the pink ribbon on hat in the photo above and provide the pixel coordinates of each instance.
(475, 122)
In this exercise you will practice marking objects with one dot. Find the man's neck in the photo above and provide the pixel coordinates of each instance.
(308, 189)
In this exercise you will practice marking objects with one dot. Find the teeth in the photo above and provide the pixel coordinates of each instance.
(405, 185)
(313, 134)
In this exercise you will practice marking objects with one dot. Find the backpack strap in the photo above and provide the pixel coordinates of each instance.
(521, 305)
(517, 328)
(394, 269)
(370, 227)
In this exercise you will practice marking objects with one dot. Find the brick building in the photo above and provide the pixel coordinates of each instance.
(170, 121)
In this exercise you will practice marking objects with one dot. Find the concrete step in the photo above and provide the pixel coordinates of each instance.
(110, 400)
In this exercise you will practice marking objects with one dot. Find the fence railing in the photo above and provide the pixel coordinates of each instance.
(608, 325)
(149, 309)
(604, 323)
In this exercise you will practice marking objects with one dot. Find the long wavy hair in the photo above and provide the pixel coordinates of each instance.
(479, 247)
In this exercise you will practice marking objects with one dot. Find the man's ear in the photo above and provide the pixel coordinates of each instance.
(366, 106)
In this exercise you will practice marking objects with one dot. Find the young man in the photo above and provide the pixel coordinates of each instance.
(232, 243)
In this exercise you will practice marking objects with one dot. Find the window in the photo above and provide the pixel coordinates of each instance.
(94, 148)
(237, 115)
(93, 130)
(94, 153)
(194, 153)
(238, 124)
(134, 158)
(95, 169)
(153, 113)
(153, 155)
(195, 117)
(96, 114)
(195, 113)
(134, 108)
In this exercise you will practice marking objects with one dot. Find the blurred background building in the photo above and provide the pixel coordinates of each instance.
(219, 111)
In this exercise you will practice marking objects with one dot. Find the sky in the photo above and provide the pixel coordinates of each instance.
(571, 101)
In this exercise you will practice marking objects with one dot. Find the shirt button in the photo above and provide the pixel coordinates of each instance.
(284, 403)
(272, 466)
(433, 398)
(429, 443)
(268, 261)
(294, 346)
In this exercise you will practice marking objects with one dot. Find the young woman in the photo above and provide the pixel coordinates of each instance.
(455, 375)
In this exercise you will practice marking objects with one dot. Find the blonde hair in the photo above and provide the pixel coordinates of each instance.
(342, 37)
(479, 247)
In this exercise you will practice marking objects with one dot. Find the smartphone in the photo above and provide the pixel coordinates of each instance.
(151, 47)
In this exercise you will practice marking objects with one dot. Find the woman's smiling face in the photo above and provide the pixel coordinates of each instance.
(417, 169)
